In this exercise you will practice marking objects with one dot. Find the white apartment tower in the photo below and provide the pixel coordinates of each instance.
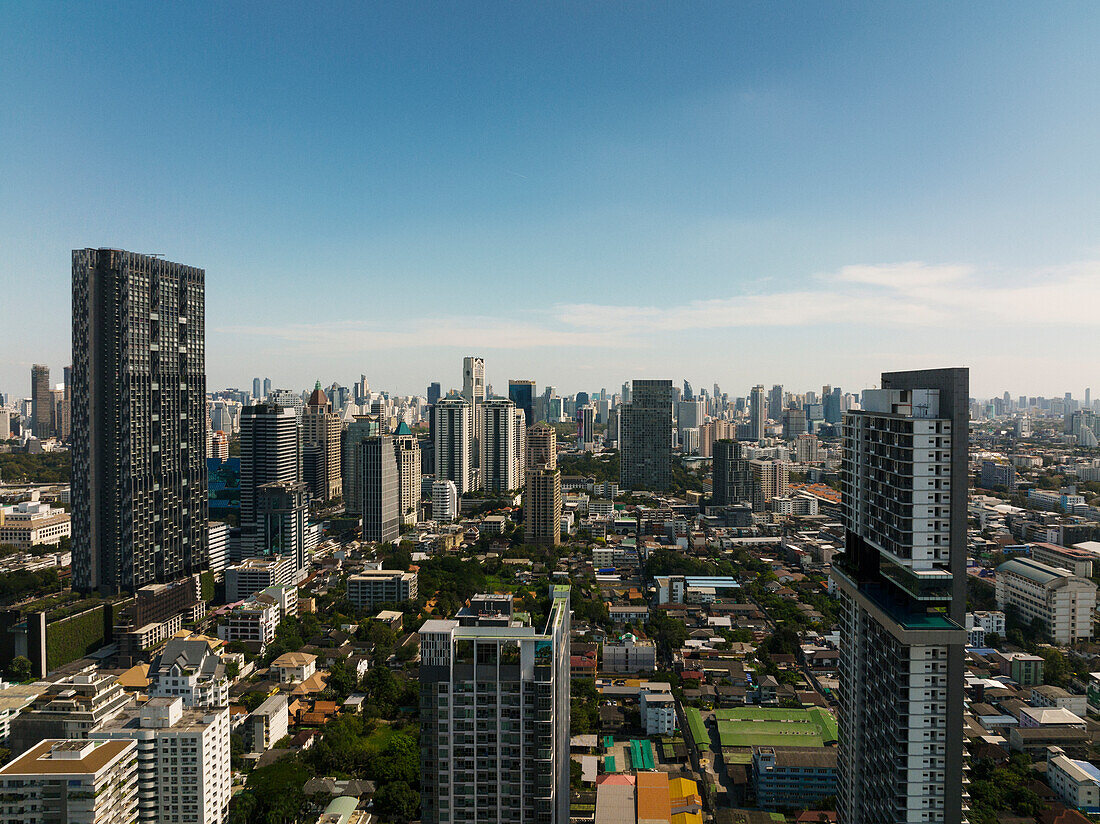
(453, 416)
(183, 771)
(902, 580)
(498, 446)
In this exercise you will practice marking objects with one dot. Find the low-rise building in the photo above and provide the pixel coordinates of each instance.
(630, 654)
(381, 586)
(254, 622)
(70, 780)
(254, 575)
(1049, 696)
(1061, 601)
(788, 778)
(658, 714)
(191, 669)
(1077, 783)
(1022, 667)
(294, 667)
(268, 723)
(32, 523)
(73, 707)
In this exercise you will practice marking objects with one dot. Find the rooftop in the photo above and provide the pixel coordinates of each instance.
(63, 757)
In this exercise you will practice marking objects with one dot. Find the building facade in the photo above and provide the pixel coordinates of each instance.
(407, 449)
(494, 699)
(382, 586)
(1063, 603)
(498, 446)
(902, 581)
(379, 485)
(453, 441)
(542, 497)
(321, 430)
(139, 500)
(645, 436)
(270, 453)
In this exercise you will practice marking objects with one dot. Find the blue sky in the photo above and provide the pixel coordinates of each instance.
(580, 192)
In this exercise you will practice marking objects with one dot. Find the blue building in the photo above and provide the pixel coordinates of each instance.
(788, 778)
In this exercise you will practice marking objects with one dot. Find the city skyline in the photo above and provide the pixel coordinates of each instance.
(580, 194)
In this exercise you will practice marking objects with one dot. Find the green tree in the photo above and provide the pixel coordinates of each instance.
(20, 669)
(396, 802)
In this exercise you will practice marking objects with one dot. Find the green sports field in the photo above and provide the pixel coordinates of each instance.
(769, 727)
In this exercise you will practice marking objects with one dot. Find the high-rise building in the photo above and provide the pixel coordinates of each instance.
(321, 430)
(731, 478)
(444, 501)
(473, 379)
(688, 396)
(138, 416)
(645, 436)
(182, 756)
(690, 414)
(435, 391)
(379, 486)
(512, 764)
(521, 445)
(270, 453)
(42, 416)
(794, 423)
(282, 509)
(65, 424)
(832, 405)
(267, 388)
(407, 448)
(586, 427)
(758, 413)
(775, 402)
(902, 579)
(453, 462)
(770, 479)
(256, 388)
(542, 499)
(522, 394)
(360, 428)
(498, 446)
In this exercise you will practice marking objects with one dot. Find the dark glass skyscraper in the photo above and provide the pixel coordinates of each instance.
(139, 420)
(522, 394)
(731, 479)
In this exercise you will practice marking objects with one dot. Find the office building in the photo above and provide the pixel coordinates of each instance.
(758, 413)
(1062, 602)
(267, 388)
(72, 781)
(453, 441)
(832, 405)
(283, 509)
(444, 501)
(775, 402)
(183, 771)
(731, 477)
(379, 486)
(42, 408)
(381, 586)
(902, 581)
(645, 436)
(321, 429)
(270, 453)
(434, 393)
(522, 394)
(511, 763)
(542, 499)
(359, 429)
(407, 448)
(139, 500)
(474, 391)
(498, 446)
(256, 389)
(795, 424)
(586, 427)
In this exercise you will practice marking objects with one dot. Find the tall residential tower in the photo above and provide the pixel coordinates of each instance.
(902, 578)
(645, 436)
(139, 420)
